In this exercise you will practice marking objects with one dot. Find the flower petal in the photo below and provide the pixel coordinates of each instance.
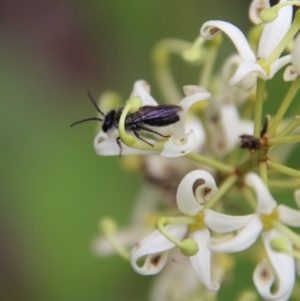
(224, 134)
(263, 276)
(177, 281)
(222, 223)
(256, 7)
(107, 146)
(201, 261)
(177, 147)
(297, 197)
(241, 241)
(289, 216)
(274, 32)
(290, 73)
(278, 64)
(193, 94)
(232, 93)
(246, 75)
(209, 29)
(195, 188)
(153, 247)
(283, 266)
(265, 202)
(296, 54)
(142, 89)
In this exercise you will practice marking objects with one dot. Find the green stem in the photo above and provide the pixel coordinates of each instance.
(284, 140)
(210, 58)
(260, 93)
(284, 184)
(108, 228)
(164, 76)
(263, 172)
(295, 238)
(283, 169)
(291, 126)
(248, 195)
(210, 162)
(225, 186)
(284, 106)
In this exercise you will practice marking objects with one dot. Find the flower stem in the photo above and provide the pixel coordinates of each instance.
(225, 186)
(295, 238)
(210, 162)
(263, 171)
(291, 126)
(283, 140)
(161, 59)
(260, 93)
(108, 228)
(284, 184)
(284, 106)
(283, 169)
(210, 59)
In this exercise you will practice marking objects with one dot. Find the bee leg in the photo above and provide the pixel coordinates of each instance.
(120, 146)
(140, 138)
(152, 131)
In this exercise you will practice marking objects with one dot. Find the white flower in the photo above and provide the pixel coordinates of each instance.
(248, 70)
(293, 71)
(256, 7)
(196, 188)
(225, 126)
(127, 236)
(182, 141)
(253, 226)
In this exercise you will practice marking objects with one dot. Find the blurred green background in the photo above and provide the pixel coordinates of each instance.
(54, 188)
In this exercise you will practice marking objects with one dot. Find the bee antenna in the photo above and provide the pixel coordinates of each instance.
(95, 104)
(87, 119)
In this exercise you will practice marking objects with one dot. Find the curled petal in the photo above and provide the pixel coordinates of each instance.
(194, 94)
(296, 54)
(290, 73)
(153, 247)
(176, 147)
(241, 241)
(289, 216)
(195, 188)
(232, 93)
(246, 75)
(222, 223)
(201, 261)
(278, 64)
(274, 32)
(142, 89)
(283, 266)
(256, 7)
(107, 146)
(263, 276)
(209, 29)
(297, 197)
(265, 202)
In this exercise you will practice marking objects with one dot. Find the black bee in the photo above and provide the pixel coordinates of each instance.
(158, 116)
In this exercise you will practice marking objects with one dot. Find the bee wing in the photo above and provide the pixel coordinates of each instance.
(153, 115)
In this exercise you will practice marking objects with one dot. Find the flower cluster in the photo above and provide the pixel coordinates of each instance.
(212, 163)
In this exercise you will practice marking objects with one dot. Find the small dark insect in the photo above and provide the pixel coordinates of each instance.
(158, 116)
(249, 142)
